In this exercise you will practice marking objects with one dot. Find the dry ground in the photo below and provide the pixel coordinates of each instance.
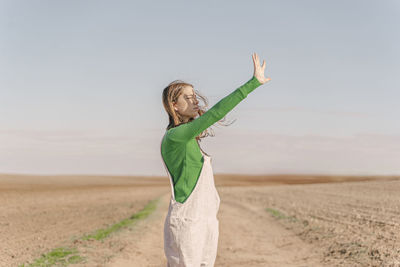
(264, 221)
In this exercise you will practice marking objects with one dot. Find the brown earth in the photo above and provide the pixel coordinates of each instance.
(281, 220)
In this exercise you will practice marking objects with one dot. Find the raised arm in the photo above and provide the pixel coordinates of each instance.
(189, 130)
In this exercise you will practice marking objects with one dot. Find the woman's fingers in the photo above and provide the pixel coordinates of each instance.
(254, 61)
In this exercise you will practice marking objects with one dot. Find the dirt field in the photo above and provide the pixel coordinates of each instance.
(264, 221)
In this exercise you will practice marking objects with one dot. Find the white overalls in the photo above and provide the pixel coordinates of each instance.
(191, 228)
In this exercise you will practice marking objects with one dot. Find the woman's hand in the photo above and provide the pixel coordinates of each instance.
(259, 71)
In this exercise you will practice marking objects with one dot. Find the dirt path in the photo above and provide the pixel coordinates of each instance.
(249, 236)
(144, 246)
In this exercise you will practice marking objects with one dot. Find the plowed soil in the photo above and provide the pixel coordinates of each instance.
(286, 220)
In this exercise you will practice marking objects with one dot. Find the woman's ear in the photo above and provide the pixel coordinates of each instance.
(174, 105)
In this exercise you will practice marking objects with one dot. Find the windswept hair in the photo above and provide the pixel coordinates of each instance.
(171, 94)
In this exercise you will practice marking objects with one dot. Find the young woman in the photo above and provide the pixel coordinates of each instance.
(191, 227)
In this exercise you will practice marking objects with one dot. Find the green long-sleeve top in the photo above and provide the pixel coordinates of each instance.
(180, 150)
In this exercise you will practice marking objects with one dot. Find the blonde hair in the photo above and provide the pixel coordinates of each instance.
(171, 94)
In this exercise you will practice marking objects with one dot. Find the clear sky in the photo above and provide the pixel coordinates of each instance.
(81, 84)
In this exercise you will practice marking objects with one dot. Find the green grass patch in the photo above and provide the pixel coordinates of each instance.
(279, 215)
(65, 256)
(142, 214)
(59, 256)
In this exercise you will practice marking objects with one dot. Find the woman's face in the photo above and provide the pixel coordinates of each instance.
(187, 104)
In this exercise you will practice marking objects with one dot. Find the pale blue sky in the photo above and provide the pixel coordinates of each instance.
(81, 84)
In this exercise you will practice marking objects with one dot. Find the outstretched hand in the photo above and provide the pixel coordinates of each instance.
(259, 70)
